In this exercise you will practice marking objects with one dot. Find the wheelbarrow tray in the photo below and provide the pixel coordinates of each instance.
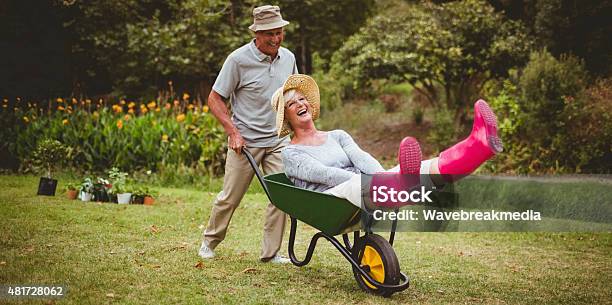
(327, 213)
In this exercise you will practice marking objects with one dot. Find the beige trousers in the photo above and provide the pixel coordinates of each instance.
(238, 176)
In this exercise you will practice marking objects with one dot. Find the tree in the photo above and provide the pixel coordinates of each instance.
(189, 48)
(136, 47)
(447, 52)
(322, 26)
(97, 37)
(567, 26)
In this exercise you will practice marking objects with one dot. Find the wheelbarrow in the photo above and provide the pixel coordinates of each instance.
(375, 265)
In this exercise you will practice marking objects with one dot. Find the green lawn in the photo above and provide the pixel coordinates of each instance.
(116, 254)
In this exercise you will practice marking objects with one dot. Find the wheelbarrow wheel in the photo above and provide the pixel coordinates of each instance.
(379, 261)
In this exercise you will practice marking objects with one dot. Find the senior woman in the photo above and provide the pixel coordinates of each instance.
(331, 161)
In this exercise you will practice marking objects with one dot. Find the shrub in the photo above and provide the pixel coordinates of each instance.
(442, 133)
(129, 136)
(49, 154)
(589, 127)
(548, 121)
(545, 82)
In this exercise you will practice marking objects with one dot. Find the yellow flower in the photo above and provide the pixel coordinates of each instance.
(117, 109)
(126, 117)
(157, 109)
(190, 106)
(25, 119)
(151, 105)
(131, 105)
(65, 122)
(144, 110)
(180, 117)
(59, 100)
(60, 108)
(122, 102)
(119, 124)
(165, 138)
(131, 110)
(5, 100)
(4, 105)
(185, 96)
(95, 114)
(176, 102)
(205, 108)
(69, 107)
(88, 101)
(167, 106)
(74, 101)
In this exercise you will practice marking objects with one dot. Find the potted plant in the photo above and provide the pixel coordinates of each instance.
(149, 196)
(87, 188)
(100, 190)
(118, 180)
(71, 190)
(138, 194)
(48, 155)
(143, 195)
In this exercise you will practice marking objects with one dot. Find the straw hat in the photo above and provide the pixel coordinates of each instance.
(305, 85)
(267, 17)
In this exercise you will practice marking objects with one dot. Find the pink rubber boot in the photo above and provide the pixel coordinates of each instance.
(409, 159)
(409, 156)
(483, 143)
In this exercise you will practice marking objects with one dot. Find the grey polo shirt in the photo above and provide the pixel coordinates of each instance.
(249, 79)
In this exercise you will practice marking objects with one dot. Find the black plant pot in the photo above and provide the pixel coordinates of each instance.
(137, 199)
(101, 196)
(47, 186)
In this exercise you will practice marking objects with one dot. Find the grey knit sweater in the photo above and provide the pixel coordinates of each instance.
(324, 166)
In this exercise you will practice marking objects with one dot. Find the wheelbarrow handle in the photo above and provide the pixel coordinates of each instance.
(258, 173)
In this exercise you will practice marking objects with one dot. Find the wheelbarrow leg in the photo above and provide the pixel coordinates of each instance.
(311, 247)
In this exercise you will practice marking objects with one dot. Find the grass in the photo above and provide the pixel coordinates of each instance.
(112, 254)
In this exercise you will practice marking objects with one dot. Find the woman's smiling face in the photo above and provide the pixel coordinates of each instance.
(297, 108)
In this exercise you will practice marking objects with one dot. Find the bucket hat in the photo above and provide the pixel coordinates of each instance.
(267, 17)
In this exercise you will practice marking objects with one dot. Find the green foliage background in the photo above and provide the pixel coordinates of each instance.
(553, 110)
(164, 140)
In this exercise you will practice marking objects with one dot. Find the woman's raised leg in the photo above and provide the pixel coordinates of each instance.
(466, 156)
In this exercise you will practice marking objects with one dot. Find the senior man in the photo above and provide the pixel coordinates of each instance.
(248, 78)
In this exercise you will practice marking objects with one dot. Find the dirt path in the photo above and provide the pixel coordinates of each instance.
(382, 141)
